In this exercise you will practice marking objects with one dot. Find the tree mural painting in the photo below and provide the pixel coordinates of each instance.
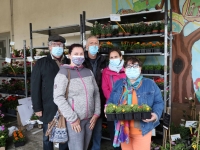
(183, 84)
(185, 13)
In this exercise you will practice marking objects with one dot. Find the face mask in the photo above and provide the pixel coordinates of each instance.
(93, 50)
(132, 73)
(78, 60)
(57, 51)
(114, 62)
(116, 65)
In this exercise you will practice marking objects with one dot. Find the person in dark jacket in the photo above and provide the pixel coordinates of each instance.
(42, 81)
(96, 62)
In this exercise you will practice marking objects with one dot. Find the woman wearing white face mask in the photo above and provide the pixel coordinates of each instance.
(82, 106)
(110, 75)
(135, 89)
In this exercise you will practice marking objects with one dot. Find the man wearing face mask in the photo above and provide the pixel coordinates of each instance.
(42, 81)
(96, 62)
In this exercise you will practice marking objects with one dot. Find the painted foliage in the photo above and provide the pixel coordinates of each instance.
(186, 42)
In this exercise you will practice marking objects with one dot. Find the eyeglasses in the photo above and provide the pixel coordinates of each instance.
(134, 66)
(57, 44)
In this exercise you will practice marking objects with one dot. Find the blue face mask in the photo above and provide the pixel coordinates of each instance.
(93, 50)
(57, 51)
(132, 73)
(116, 65)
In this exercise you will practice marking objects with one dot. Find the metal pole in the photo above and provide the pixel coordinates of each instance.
(49, 30)
(81, 29)
(25, 71)
(31, 44)
(170, 61)
(83, 25)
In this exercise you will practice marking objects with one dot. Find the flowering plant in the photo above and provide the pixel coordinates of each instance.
(1, 115)
(106, 44)
(125, 45)
(18, 136)
(110, 108)
(159, 81)
(146, 108)
(11, 102)
(3, 135)
(137, 108)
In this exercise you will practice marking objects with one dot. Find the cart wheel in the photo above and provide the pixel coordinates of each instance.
(39, 126)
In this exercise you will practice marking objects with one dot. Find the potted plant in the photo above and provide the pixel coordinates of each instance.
(120, 30)
(127, 29)
(132, 47)
(3, 136)
(109, 30)
(128, 115)
(155, 27)
(145, 69)
(148, 47)
(96, 30)
(18, 138)
(143, 27)
(16, 53)
(136, 29)
(115, 32)
(160, 82)
(119, 112)
(136, 47)
(105, 47)
(142, 47)
(11, 103)
(125, 46)
(156, 47)
(33, 119)
(146, 111)
(151, 69)
(110, 112)
(103, 31)
(162, 27)
(157, 69)
(149, 29)
(137, 112)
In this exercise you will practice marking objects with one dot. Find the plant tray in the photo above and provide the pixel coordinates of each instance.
(111, 117)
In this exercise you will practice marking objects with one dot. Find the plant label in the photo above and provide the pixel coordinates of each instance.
(174, 137)
(30, 59)
(115, 17)
(191, 124)
(153, 132)
(12, 43)
(166, 121)
(122, 52)
(8, 60)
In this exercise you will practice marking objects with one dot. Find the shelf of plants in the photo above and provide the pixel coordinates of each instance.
(139, 34)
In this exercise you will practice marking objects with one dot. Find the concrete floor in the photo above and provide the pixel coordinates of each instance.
(34, 140)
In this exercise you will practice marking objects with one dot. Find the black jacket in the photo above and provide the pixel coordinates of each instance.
(101, 64)
(42, 81)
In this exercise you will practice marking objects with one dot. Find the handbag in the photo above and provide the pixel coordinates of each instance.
(57, 128)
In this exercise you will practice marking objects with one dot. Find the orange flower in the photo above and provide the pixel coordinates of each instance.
(16, 138)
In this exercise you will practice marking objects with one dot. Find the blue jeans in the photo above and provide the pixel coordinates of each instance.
(96, 136)
(47, 145)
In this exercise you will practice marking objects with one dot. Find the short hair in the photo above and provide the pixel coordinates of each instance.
(71, 47)
(90, 37)
(115, 49)
(133, 60)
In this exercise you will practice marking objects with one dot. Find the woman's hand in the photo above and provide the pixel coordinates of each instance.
(93, 122)
(76, 126)
(153, 118)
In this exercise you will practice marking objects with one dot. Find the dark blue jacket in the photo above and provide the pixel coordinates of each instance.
(148, 93)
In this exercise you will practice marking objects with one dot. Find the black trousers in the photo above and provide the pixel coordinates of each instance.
(111, 128)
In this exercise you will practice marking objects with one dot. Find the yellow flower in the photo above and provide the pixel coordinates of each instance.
(131, 105)
(147, 108)
(114, 106)
(123, 110)
(194, 146)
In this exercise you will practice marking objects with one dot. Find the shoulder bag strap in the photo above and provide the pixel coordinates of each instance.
(67, 89)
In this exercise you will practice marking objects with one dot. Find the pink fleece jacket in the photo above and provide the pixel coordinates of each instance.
(107, 77)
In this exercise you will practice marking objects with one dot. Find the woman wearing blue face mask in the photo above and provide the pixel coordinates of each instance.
(82, 106)
(135, 89)
(110, 75)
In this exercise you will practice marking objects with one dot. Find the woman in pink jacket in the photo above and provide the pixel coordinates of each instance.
(110, 75)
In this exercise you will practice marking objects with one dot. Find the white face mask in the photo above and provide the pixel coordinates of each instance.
(133, 73)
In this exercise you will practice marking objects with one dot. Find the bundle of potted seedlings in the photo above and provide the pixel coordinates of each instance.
(96, 29)
(150, 69)
(135, 29)
(145, 69)
(110, 112)
(148, 47)
(157, 69)
(146, 111)
(128, 114)
(105, 47)
(137, 115)
(149, 29)
(157, 47)
(103, 31)
(108, 30)
(155, 28)
(120, 112)
(143, 27)
(120, 30)
(136, 47)
(162, 27)
(127, 29)
(142, 47)
(125, 46)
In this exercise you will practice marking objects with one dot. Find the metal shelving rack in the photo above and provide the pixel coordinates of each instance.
(148, 16)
